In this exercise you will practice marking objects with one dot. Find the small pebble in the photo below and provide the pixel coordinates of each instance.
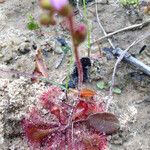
(147, 99)
(1, 55)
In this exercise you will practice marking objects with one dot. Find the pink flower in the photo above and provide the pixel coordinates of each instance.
(59, 4)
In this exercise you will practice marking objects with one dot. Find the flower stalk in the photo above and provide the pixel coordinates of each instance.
(76, 54)
(78, 32)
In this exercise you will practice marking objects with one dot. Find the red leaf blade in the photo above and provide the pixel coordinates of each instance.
(104, 122)
(87, 93)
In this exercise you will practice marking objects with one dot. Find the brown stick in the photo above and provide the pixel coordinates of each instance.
(122, 55)
(140, 25)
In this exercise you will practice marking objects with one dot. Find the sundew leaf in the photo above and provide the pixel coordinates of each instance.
(56, 128)
(81, 111)
(85, 109)
(95, 142)
(117, 91)
(84, 93)
(104, 122)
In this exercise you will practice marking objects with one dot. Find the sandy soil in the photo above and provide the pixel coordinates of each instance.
(19, 94)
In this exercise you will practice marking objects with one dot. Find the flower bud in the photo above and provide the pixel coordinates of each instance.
(147, 9)
(47, 19)
(45, 4)
(66, 11)
(80, 34)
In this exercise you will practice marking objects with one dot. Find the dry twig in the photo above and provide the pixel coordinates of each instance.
(140, 25)
(79, 9)
(2, 28)
(115, 68)
(100, 25)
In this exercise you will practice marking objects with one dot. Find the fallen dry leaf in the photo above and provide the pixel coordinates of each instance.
(40, 67)
(40, 64)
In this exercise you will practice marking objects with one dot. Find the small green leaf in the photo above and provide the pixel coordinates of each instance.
(32, 24)
(123, 2)
(101, 85)
(30, 17)
(66, 48)
(130, 2)
(117, 90)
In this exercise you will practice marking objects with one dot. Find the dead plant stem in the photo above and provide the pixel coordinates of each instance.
(140, 25)
(115, 68)
(79, 9)
(100, 25)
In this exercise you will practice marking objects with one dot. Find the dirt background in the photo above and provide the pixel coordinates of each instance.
(17, 51)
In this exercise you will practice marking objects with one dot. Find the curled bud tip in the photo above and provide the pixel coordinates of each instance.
(80, 34)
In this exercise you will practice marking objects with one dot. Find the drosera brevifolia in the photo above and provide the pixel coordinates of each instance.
(78, 121)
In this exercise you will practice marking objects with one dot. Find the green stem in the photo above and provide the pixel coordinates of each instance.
(88, 25)
(89, 40)
(52, 82)
(68, 71)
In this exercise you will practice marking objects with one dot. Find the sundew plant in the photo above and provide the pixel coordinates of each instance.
(77, 121)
